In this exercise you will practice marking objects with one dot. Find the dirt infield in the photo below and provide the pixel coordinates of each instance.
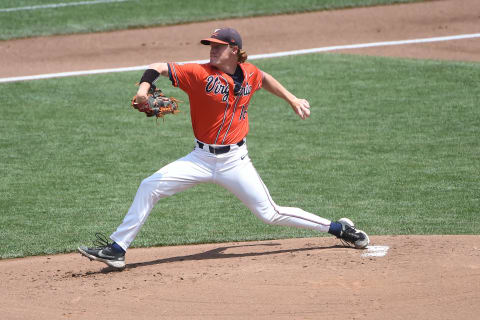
(419, 277)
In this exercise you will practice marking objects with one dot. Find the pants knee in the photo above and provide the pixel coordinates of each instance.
(266, 213)
(148, 188)
(157, 188)
(146, 185)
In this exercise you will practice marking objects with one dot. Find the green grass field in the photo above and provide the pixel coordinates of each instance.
(393, 144)
(142, 13)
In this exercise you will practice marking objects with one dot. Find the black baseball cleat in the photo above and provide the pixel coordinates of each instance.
(351, 236)
(104, 252)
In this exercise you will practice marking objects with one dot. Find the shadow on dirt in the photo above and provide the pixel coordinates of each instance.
(217, 253)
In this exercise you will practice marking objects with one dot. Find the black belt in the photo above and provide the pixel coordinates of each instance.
(219, 150)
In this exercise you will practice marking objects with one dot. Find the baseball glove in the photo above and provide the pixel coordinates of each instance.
(157, 104)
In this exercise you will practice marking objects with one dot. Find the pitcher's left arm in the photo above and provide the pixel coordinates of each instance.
(300, 106)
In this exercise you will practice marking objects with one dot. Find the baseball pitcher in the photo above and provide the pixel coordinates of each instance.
(219, 93)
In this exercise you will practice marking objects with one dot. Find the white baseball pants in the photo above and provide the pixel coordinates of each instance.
(232, 170)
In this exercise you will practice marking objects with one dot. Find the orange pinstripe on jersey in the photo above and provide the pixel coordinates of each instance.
(218, 116)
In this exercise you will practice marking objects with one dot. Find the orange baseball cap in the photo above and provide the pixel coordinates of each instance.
(224, 36)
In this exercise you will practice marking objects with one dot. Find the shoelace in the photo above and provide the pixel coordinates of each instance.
(101, 241)
(346, 244)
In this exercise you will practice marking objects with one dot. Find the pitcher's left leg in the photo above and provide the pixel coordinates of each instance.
(245, 183)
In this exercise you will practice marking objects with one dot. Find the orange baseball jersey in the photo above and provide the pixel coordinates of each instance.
(219, 116)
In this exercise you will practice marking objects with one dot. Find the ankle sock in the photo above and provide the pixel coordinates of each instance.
(116, 248)
(335, 229)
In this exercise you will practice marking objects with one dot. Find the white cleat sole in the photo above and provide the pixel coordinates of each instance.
(360, 244)
(347, 222)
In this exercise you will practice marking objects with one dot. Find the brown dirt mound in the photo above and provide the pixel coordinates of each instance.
(421, 277)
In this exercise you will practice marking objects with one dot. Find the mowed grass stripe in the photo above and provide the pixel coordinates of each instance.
(145, 13)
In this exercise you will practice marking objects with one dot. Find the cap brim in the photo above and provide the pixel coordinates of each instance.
(208, 40)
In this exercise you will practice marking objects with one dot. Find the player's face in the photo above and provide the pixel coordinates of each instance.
(220, 54)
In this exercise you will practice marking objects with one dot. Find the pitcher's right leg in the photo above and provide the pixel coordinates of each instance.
(173, 178)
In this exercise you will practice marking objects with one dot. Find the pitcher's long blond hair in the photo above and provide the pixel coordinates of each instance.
(242, 56)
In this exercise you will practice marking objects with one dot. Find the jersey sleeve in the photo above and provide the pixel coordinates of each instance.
(255, 76)
(259, 79)
(184, 76)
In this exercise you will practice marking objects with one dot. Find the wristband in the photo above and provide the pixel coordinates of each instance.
(150, 76)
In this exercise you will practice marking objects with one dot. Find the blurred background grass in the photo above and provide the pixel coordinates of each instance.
(146, 13)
